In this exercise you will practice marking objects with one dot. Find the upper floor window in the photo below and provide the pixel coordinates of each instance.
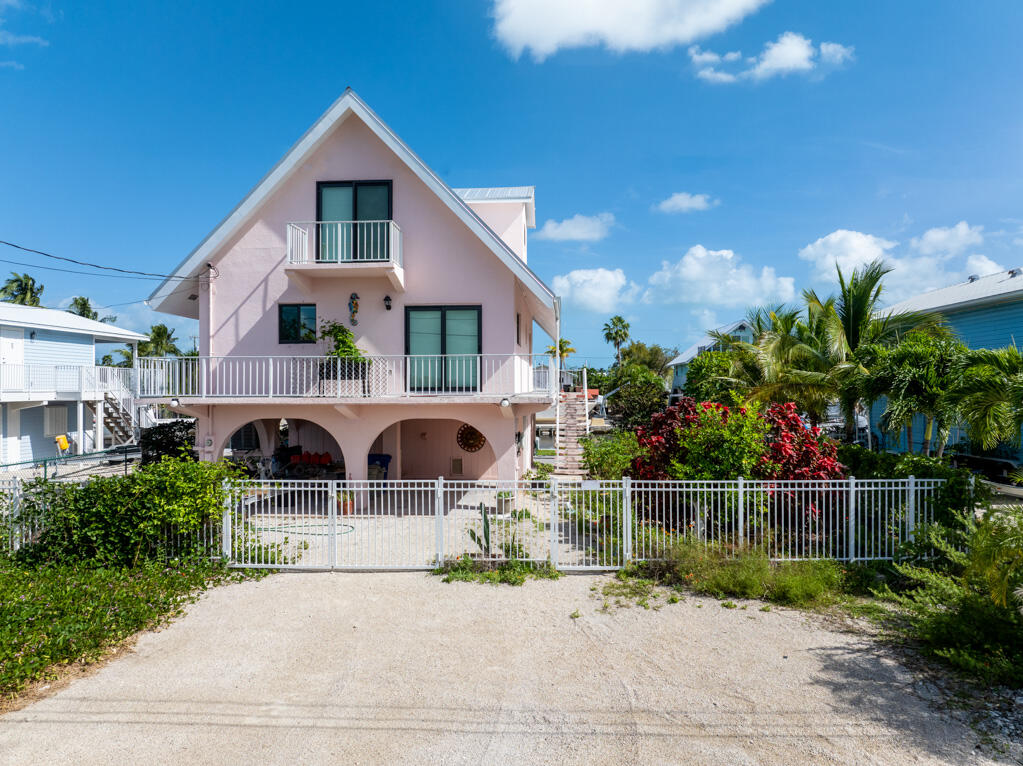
(354, 221)
(296, 323)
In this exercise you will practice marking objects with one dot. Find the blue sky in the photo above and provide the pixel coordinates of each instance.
(690, 158)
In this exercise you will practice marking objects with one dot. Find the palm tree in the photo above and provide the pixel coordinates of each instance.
(161, 342)
(564, 348)
(82, 306)
(21, 289)
(990, 395)
(616, 332)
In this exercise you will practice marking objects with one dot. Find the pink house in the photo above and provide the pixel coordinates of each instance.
(352, 227)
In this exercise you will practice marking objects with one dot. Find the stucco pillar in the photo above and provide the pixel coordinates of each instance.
(80, 425)
(97, 423)
(502, 440)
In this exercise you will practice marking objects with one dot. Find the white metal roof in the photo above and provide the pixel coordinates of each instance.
(523, 194)
(349, 103)
(694, 350)
(38, 318)
(1005, 285)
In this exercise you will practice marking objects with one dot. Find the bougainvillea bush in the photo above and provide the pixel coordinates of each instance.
(709, 440)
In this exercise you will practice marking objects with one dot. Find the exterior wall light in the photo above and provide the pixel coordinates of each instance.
(175, 402)
(505, 403)
(387, 302)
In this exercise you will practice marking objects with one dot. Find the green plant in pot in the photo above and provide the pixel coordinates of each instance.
(345, 503)
(505, 499)
(347, 361)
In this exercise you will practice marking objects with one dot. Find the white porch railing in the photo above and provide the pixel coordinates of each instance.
(344, 242)
(326, 377)
(65, 380)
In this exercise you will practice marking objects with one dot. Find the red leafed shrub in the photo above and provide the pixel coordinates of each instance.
(795, 451)
(686, 435)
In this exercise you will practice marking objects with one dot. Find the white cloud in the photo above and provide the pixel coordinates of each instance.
(8, 38)
(545, 26)
(791, 53)
(716, 278)
(981, 265)
(931, 261)
(845, 249)
(950, 240)
(601, 290)
(11, 65)
(684, 202)
(578, 228)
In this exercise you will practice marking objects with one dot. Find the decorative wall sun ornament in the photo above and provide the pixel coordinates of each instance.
(469, 439)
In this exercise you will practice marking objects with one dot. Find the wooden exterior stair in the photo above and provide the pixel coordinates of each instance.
(571, 428)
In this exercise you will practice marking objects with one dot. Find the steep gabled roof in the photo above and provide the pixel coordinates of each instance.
(524, 194)
(976, 291)
(39, 318)
(348, 104)
(694, 350)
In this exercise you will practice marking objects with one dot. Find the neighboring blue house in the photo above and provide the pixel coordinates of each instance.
(985, 312)
(50, 384)
(740, 330)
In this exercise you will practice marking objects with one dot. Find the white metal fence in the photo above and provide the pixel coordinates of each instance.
(573, 525)
(588, 525)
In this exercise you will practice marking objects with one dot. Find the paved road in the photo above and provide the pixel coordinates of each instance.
(403, 669)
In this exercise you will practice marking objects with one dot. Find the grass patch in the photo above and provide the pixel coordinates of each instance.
(506, 573)
(747, 574)
(545, 453)
(54, 615)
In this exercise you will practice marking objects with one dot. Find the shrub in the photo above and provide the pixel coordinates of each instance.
(610, 457)
(640, 394)
(951, 607)
(795, 451)
(720, 443)
(960, 492)
(122, 520)
(704, 378)
(174, 439)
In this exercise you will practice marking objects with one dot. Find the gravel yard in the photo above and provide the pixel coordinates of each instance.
(400, 668)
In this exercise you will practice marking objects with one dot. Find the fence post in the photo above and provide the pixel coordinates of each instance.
(741, 511)
(850, 537)
(438, 509)
(331, 523)
(911, 509)
(226, 548)
(626, 519)
(554, 522)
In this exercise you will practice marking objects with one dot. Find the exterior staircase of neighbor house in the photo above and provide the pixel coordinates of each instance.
(571, 428)
(118, 420)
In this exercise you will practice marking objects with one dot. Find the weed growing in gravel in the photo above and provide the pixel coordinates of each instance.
(511, 572)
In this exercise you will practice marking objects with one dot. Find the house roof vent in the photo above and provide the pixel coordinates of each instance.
(972, 278)
(1015, 272)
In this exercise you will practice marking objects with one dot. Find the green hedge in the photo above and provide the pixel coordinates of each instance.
(121, 521)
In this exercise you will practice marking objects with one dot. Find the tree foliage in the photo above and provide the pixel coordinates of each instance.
(616, 332)
(21, 289)
(640, 393)
(707, 378)
(654, 357)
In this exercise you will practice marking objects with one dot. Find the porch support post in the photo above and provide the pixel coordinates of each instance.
(80, 423)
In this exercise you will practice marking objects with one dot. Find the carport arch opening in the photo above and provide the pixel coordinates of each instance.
(425, 448)
(271, 434)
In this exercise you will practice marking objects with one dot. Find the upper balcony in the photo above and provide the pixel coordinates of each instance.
(318, 249)
(484, 378)
(38, 382)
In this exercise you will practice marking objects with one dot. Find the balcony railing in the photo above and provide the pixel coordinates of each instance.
(325, 377)
(64, 379)
(337, 242)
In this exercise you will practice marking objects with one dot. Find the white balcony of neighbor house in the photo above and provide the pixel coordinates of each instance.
(63, 382)
(482, 378)
(324, 249)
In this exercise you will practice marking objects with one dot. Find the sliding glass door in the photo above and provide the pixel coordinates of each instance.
(444, 346)
(354, 221)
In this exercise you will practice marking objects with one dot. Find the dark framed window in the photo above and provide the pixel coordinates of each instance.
(296, 323)
(353, 221)
(445, 343)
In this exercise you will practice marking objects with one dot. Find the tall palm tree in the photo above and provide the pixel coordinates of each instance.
(990, 395)
(161, 342)
(616, 332)
(564, 348)
(21, 289)
(82, 306)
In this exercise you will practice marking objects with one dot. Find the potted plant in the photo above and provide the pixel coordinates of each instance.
(504, 503)
(347, 361)
(345, 503)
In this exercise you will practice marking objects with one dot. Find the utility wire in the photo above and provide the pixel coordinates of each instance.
(92, 265)
(86, 273)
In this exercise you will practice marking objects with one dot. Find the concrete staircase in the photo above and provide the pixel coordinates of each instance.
(572, 427)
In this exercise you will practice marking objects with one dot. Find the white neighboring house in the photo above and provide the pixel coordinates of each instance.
(50, 384)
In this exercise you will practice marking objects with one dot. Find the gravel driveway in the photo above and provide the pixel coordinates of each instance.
(403, 669)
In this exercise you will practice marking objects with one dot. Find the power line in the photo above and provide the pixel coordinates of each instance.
(86, 273)
(92, 265)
